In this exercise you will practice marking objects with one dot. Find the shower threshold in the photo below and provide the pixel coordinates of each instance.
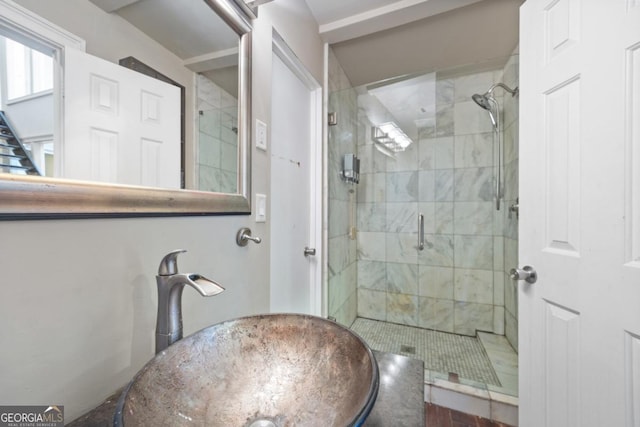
(475, 375)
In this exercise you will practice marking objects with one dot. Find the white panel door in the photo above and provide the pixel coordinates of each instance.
(120, 126)
(293, 275)
(580, 213)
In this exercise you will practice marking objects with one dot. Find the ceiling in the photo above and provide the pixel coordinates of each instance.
(380, 39)
(341, 20)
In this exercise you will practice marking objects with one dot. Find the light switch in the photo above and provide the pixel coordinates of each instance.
(261, 207)
(261, 135)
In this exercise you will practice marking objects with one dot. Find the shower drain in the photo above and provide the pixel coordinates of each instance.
(407, 349)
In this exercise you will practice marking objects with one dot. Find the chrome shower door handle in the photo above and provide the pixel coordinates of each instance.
(309, 251)
(498, 188)
(526, 273)
(515, 208)
(420, 232)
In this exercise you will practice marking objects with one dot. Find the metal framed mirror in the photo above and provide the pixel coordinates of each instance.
(36, 197)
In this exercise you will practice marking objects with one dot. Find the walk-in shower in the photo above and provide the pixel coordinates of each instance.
(489, 103)
(450, 303)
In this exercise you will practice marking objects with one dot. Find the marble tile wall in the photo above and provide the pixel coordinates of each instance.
(217, 140)
(342, 266)
(457, 283)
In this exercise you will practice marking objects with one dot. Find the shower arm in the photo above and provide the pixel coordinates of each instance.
(513, 92)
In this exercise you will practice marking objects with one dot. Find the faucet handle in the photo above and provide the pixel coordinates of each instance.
(169, 264)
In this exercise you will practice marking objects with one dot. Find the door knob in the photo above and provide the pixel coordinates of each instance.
(309, 251)
(526, 273)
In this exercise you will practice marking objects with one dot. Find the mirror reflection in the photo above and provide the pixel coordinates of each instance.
(217, 131)
(127, 115)
(26, 94)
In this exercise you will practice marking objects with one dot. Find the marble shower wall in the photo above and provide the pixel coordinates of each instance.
(457, 283)
(342, 269)
(217, 140)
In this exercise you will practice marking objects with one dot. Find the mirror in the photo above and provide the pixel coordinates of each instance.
(216, 118)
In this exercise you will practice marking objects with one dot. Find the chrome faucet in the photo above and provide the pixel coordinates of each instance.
(170, 286)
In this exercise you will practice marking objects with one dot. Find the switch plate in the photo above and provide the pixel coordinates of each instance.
(261, 135)
(261, 207)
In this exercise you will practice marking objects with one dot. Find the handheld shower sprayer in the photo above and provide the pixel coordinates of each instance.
(489, 103)
(486, 102)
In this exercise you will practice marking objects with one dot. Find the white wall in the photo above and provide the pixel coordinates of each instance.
(78, 297)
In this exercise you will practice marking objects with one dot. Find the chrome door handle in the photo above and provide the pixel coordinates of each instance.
(515, 208)
(526, 273)
(309, 251)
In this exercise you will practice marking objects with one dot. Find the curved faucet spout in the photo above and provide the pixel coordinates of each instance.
(206, 287)
(170, 285)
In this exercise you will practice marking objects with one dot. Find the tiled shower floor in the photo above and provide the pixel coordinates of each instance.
(486, 361)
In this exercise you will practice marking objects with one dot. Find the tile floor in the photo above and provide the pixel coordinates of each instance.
(486, 362)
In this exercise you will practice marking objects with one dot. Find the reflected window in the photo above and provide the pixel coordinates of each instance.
(28, 71)
(26, 79)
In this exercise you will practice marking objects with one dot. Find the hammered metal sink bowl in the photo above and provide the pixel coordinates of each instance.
(259, 371)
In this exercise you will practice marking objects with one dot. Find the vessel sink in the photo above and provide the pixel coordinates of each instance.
(258, 371)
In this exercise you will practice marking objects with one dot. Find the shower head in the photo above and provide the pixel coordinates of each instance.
(482, 100)
(487, 102)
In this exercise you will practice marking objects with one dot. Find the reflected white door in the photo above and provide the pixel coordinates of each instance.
(120, 126)
(579, 333)
(294, 276)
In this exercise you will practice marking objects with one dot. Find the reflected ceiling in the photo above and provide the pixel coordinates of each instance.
(189, 29)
